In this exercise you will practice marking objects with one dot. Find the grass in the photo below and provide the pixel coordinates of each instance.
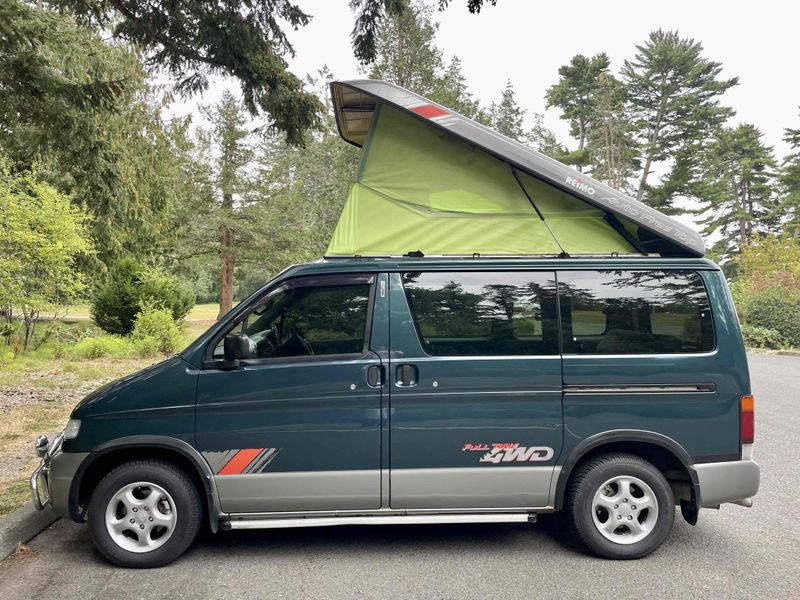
(68, 358)
(203, 312)
(38, 398)
(200, 312)
(13, 493)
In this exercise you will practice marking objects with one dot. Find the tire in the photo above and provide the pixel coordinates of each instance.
(622, 490)
(144, 514)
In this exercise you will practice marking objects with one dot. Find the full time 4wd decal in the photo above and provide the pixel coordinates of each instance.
(510, 452)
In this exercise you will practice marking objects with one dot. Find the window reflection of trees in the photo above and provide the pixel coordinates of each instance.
(678, 291)
(670, 308)
(507, 308)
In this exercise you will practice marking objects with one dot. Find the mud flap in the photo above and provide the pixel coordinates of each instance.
(690, 509)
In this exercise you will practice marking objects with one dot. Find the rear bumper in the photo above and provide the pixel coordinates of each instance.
(727, 481)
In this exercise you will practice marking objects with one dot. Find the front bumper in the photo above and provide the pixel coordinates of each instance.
(730, 481)
(51, 481)
(40, 479)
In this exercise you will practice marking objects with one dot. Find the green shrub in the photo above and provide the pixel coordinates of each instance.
(101, 347)
(129, 287)
(761, 337)
(777, 309)
(147, 347)
(155, 326)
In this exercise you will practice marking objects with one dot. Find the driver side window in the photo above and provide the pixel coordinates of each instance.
(306, 321)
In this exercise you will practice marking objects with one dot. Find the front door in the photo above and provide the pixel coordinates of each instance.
(475, 380)
(296, 427)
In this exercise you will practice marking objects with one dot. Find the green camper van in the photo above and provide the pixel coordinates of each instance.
(491, 336)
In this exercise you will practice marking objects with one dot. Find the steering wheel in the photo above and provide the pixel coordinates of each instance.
(299, 337)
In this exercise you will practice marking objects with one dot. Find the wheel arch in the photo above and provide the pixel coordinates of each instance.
(665, 453)
(109, 455)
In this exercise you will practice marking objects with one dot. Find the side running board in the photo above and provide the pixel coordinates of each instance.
(278, 523)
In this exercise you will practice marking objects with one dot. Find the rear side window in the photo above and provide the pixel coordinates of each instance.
(635, 312)
(486, 314)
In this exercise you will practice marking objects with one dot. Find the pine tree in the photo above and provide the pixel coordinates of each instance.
(217, 217)
(407, 55)
(674, 99)
(611, 148)
(372, 14)
(507, 117)
(788, 211)
(452, 91)
(735, 185)
(576, 94)
(80, 111)
(544, 140)
(193, 40)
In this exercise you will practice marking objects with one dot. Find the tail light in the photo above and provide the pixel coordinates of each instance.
(748, 419)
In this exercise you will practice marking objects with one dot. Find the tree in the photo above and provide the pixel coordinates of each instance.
(370, 15)
(506, 116)
(789, 208)
(674, 99)
(42, 237)
(736, 185)
(247, 40)
(230, 138)
(81, 110)
(300, 201)
(611, 149)
(544, 140)
(407, 54)
(194, 40)
(576, 94)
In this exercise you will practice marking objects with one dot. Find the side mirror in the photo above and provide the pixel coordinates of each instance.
(238, 346)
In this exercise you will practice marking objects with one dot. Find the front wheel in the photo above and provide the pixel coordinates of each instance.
(144, 514)
(620, 506)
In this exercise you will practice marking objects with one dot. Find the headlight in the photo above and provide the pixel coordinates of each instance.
(72, 429)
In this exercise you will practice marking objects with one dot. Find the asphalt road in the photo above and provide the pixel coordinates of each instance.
(732, 553)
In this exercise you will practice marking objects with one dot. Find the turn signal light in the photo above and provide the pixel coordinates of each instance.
(748, 419)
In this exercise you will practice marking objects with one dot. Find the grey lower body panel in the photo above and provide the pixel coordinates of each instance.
(300, 490)
(63, 467)
(727, 481)
(472, 487)
(432, 489)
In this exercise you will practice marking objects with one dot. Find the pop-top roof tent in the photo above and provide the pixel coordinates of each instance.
(436, 182)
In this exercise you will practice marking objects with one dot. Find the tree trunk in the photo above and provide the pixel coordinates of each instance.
(226, 261)
(651, 146)
(743, 238)
(581, 141)
(645, 173)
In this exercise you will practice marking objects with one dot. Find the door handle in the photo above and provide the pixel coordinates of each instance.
(376, 376)
(406, 375)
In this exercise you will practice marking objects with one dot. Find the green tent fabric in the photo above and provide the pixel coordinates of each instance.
(422, 189)
(579, 227)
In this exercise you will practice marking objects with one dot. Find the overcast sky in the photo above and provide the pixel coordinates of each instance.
(527, 40)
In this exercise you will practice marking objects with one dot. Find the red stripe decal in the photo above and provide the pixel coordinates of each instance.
(429, 111)
(240, 461)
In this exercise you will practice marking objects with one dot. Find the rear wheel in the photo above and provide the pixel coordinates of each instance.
(144, 514)
(620, 506)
